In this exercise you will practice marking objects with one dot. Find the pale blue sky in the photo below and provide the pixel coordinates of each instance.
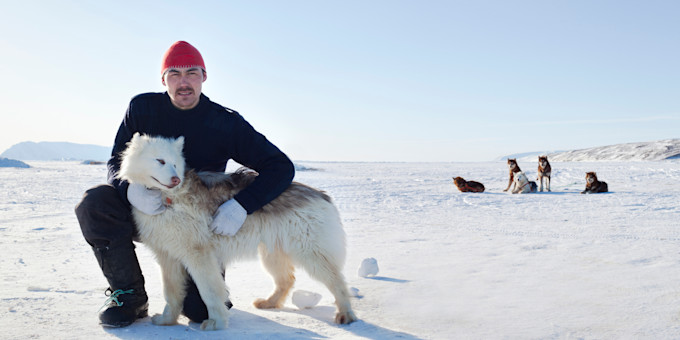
(357, 80)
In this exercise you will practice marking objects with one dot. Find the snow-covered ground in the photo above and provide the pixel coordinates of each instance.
(452, 265)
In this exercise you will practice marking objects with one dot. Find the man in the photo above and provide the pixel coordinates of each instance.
(213, 135)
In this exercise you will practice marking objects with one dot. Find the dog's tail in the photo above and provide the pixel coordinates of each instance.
(212, 178)
(238, 179)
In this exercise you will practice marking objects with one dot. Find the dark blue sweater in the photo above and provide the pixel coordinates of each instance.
(213, 135)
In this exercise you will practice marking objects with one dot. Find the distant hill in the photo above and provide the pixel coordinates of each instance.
(12, 163)
(644, 151)
(51, 151)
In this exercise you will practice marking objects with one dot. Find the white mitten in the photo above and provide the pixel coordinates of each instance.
(229, 218)
(148, 201)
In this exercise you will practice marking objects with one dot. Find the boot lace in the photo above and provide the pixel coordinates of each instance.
(113, 297)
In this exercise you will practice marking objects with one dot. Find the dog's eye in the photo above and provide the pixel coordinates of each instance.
(161, 161)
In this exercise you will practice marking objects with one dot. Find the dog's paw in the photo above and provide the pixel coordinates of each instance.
(265, 304)
(345, 318)
(162, 320)
(213, 325)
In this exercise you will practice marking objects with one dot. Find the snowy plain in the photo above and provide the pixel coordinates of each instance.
(452, 265)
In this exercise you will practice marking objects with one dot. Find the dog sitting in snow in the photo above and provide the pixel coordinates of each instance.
(300, 227)
(593, 185)
(514, 168)
(468, 186)
(544, 171)
(523, 185)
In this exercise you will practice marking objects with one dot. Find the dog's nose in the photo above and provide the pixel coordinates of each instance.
(175, 180)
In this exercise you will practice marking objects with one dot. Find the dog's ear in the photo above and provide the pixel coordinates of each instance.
(135, 137)
(132, 143)
(179, 143)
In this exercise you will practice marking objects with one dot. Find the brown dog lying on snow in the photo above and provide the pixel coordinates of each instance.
(468, 186)
(594, 186)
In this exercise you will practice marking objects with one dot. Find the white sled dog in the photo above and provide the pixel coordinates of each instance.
(522, 184)
(301, 227)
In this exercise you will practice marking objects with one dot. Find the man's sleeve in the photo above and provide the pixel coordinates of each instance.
(275, 169)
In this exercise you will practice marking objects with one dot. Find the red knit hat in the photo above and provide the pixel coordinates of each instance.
(181, 54)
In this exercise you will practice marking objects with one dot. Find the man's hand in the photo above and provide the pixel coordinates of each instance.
(148, 201)
(229, 218)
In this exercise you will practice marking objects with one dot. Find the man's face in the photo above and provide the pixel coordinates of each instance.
(184, 86)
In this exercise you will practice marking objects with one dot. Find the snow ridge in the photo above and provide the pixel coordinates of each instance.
(645, 151)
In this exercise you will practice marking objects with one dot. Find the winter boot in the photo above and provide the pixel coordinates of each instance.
(124, 307)
(127, 300)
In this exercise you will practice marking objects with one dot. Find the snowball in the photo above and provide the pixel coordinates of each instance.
(305, 299)
(369, 267)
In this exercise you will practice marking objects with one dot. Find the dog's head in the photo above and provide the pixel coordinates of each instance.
(512, 163)
(591, 177)
(459, 181)
(543, 161)
(155, 162)
(521, 178)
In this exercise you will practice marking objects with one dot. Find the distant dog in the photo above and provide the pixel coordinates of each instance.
(523, 185)
(593, 186)
(544, 171)
(300, 227)
(514, 168)
(468, 186)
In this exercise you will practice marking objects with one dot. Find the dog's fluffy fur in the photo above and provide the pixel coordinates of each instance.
(523, 185)
(513, 168)
(468, 186)
(544, 171)
(593, 185)
(301, 228)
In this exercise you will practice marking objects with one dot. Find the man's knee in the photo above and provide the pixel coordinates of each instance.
(100, 200)
(97, 197)
(104, 217)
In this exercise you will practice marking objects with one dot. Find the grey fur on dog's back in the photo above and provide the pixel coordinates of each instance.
(295, 196)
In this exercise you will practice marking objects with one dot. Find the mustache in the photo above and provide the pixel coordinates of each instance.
(185, 88)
